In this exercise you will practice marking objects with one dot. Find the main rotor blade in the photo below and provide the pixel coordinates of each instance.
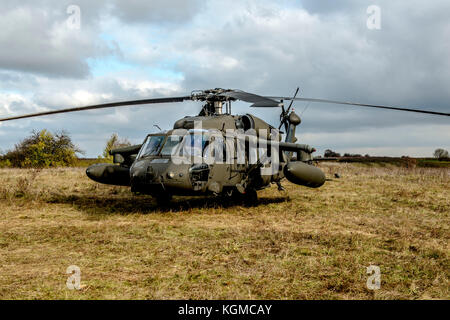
(363, 105)
(258, 101)
(100, 106)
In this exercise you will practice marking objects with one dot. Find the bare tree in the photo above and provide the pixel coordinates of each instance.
(440, 153)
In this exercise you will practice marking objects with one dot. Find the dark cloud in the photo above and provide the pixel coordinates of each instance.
(400, 65)
(156, 11)
(34, 38)
(258, 46)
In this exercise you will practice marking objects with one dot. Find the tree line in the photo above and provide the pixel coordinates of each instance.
(439, 153)
(44, 149)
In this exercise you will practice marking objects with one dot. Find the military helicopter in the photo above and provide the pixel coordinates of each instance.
(216, 152)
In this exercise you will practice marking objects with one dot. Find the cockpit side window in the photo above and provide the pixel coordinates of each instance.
(215, 150)
(151, 146)
(193, 145)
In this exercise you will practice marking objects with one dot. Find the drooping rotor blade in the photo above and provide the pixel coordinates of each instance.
(258, 101)
(293, 99)
(363, 105)
(284, 113)
(100, 106)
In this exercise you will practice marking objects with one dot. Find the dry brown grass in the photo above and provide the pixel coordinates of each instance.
(315, 245)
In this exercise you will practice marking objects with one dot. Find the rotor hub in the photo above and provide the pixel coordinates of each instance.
(215, 100)
(211, 95)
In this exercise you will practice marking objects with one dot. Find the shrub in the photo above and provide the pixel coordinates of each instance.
(5, 163)
(41, 150)
(331, 154)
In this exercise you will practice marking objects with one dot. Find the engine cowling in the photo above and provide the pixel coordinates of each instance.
(251, 122)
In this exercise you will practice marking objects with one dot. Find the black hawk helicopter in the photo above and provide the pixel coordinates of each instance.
(214, 152)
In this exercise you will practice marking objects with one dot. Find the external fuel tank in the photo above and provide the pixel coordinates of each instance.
(304, 174)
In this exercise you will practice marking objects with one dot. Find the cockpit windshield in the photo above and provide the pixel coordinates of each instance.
(190, 144)
(171, 142)
(151, 146)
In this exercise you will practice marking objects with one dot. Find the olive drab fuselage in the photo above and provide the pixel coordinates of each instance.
(151, 168)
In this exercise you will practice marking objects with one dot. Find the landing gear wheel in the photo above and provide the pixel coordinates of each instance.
(250, 197)
(163, 199)
(231, 196)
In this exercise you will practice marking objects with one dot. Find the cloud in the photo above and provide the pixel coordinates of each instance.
(156, 11)
(333, 6)
(37, 40)
(131, 50)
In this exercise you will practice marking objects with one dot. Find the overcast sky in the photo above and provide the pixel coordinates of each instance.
(139, 49)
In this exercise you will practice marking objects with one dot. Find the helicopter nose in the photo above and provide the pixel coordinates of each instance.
(138, 174)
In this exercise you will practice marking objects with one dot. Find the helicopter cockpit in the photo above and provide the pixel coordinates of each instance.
(187, 143)
(151, 146)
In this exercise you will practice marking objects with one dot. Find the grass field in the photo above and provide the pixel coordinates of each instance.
(308, 244)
